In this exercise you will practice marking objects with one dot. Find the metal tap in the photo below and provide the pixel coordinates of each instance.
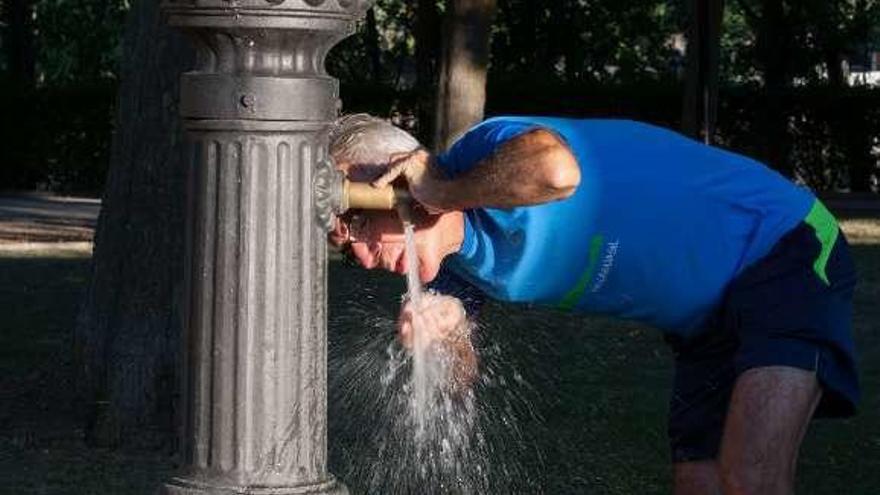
(363, 196)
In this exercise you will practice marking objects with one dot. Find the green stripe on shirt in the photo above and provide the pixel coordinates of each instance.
(574, 295)
(827, 230)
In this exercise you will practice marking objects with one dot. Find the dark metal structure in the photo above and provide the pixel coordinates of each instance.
(262, 193)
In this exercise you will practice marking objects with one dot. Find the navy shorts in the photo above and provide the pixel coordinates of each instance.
(792, 308)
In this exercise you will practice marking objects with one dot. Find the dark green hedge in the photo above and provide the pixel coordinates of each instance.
(56, 139)
(830, 136)
(59, 139)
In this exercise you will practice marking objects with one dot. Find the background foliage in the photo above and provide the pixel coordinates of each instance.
(572, 57)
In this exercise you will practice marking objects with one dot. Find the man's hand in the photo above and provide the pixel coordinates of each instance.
(423, 180)
(441, 320)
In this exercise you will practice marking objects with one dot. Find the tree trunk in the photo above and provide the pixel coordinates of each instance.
(127, 334)
(373, 51)
(573, 45)
(830, 35)
(529, 43)
(557, 37)
(834, 65)
(427, 34)
(852, 117)
(773, 50)
(19, 43)
(700, 106)
(465, 57)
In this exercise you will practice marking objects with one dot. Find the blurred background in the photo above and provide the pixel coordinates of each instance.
(793, 83)
(92, 211)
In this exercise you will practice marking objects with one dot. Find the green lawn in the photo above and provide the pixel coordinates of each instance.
(584, 398)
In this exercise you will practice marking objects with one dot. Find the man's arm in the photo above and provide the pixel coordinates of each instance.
(533, 168)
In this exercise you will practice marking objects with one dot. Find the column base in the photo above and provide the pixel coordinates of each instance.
(183, 486)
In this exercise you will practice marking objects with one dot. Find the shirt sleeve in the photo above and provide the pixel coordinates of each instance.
(479, 143)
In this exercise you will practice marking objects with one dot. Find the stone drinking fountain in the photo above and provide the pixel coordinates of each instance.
(262, 195)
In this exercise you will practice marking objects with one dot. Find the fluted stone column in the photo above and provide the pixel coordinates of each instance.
(261, 194)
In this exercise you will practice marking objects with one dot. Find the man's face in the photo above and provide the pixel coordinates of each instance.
(375, 238)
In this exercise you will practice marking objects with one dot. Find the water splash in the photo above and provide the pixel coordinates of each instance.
(479, 442)
(399, 428)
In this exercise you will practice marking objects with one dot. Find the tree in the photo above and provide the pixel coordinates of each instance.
(701, 78)
(774, 56)
(374, 52)
(583, 40)
(427, 35)
(19, 42)
(80, 40)
(127, 333)
(464, 62)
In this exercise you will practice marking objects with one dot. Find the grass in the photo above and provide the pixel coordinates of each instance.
(593, 414)
(41, 446)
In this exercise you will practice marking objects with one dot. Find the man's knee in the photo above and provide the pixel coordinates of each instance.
(768, 416)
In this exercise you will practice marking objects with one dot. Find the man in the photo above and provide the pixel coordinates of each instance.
(747, 275)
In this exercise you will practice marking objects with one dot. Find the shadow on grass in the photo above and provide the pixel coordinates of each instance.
(41, 444)
(592, 393)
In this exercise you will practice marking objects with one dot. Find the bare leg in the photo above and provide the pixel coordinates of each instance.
(769, 412)
(697, 478)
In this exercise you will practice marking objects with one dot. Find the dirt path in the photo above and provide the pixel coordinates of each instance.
(32, 218)
(38, 218)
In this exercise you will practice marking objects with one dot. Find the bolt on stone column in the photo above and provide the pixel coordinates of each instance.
(261, 197)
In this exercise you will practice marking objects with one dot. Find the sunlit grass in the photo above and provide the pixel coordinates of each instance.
(48, 250)
(862, 230)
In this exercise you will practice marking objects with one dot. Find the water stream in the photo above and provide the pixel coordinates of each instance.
(421, 380)
(405, 429)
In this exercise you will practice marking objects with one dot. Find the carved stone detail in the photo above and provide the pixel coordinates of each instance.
(328, 193)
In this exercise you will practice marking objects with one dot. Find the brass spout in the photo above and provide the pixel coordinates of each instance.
(363, 196)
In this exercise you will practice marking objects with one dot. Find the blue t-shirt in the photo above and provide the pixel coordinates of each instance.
(658, 227)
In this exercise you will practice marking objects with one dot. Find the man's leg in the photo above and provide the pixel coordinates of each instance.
(769, 412)
(697, 478)
(786, 316)
(705, 375)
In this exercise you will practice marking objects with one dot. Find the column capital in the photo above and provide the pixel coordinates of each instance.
(313, 15)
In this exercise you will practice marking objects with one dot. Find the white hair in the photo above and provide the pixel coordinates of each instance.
(363, 139)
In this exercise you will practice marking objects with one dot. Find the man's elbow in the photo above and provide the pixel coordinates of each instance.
(558, 173)
(562, 174)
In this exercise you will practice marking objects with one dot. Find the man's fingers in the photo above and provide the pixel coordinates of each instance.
(387, 178)
(405, 325)
(393, 173)
(395, 158)
(405, 335)
(398, 164)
